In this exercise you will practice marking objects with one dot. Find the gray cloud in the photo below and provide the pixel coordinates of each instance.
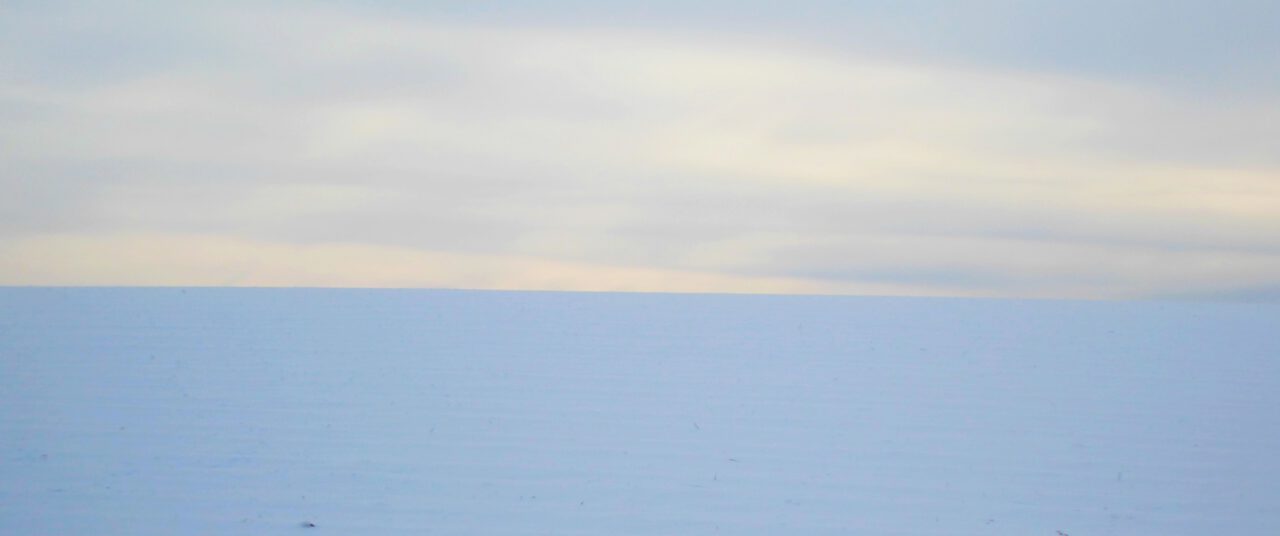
(1259, 295)
(542, 137)
(1183, 44)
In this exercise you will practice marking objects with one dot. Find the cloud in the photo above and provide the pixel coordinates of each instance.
(1186, 46)
(634, 153)
(1259, 295)
(1010, 267)
(197, 260)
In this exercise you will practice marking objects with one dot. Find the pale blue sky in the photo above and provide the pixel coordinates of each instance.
(1023, 149)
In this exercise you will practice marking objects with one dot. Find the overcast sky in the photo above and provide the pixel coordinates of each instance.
(1082, 149)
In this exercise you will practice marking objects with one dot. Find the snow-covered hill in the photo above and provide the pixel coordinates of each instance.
(217, 411)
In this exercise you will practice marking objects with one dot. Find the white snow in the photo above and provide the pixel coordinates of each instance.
(219, 411)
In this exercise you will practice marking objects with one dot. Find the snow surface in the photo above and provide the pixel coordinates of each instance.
(219, 411)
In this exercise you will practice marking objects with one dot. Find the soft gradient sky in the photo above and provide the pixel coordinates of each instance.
(1028, 149)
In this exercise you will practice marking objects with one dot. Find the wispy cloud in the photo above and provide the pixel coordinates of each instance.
(674, 160)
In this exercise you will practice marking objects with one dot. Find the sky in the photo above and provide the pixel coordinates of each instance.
(1084, 150)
